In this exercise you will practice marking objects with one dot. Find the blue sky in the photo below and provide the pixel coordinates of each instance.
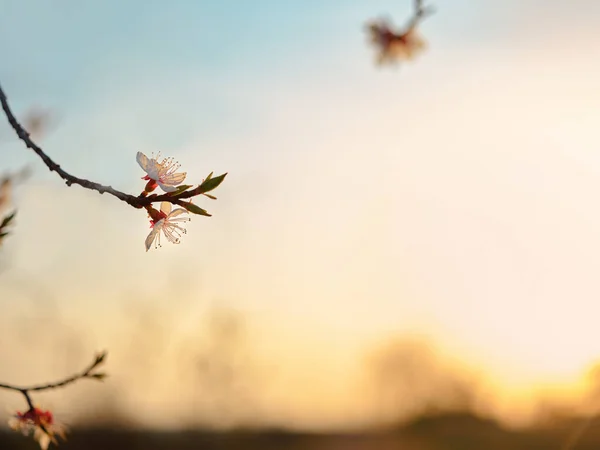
(76, 57)
(433, 197)
(73, 55)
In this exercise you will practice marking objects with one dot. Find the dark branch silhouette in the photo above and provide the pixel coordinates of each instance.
(43, 420)
(140, 201)
(86, 373)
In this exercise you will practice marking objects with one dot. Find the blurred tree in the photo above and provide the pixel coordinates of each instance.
(409, 378)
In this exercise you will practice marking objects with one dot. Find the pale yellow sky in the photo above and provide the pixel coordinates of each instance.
(455, 197)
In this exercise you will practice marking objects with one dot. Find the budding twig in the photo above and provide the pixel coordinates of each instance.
(140, 201)
(88, 372)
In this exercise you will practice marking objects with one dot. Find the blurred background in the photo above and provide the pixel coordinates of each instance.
(399, 258)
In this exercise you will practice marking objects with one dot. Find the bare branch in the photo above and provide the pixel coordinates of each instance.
(69, 179)
(88, 372)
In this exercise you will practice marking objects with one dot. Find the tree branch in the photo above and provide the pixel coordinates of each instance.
(421, 13)
(53, 166)
(86, 373)
(140, 201)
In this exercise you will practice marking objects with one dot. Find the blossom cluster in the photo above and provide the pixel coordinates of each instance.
(394, 46)
(164, 173)
(40, 424)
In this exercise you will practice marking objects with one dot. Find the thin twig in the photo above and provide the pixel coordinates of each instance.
(139, 201)
(421, 13)
(88, 372)
(53, 166)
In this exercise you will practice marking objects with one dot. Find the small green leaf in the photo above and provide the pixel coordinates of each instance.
(211, 183)
(8, 219)
(100, 357)
(195, 209)
(99, 376)
(210, 196)
(180, 189)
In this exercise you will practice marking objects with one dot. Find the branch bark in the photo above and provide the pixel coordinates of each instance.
(88, 372)
(139, 201)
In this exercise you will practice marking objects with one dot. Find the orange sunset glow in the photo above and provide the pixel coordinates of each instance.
(388, 242)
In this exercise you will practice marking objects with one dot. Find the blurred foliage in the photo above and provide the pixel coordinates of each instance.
(7, 215)
(450, 431)
(37, 122)
(409, 378)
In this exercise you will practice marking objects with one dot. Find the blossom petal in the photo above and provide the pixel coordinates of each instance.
(166, 187)
(177, 212)
(153, 170)
(15, 424)
(61, 430)
(154, 233)
(143, 161)
(165, 207)
(150, 166)
(173, 178)
(43, 439)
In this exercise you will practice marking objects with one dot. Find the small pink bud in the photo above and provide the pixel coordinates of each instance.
(150, 185)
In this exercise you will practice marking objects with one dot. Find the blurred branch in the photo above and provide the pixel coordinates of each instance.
(140, 201)
(421, 13)
(6, 183)
(6, 221)
(17, 177)
(86, 373)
